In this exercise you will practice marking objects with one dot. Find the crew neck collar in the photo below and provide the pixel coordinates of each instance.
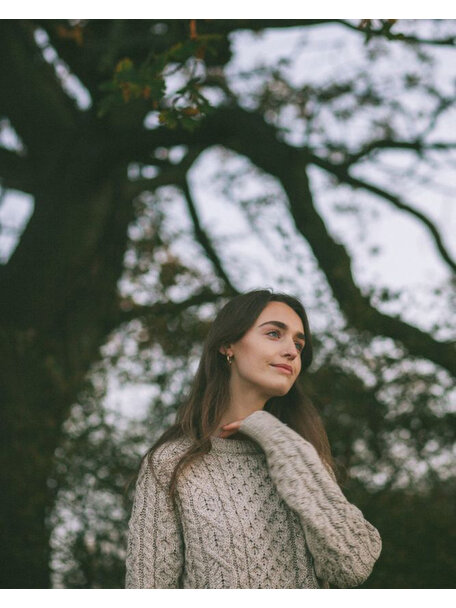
(234, 446)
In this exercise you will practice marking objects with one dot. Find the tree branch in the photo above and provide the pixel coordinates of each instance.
(29, 82)
(417, 146)
(16, 172)
(177, 175)
(450, 41)
(204, 239)
(345, 177)
(230, 25)
(129, 311)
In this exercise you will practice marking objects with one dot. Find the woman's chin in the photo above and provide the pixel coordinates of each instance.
(280, 391)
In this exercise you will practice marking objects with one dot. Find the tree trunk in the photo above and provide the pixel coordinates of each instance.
(33, 411)
(50, 334)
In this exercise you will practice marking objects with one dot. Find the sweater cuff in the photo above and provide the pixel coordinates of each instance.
(259, 424)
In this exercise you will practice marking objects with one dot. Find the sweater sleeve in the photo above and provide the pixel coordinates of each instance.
(343, 544)
(155, 553)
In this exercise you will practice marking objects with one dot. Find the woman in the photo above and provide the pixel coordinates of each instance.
(240, 492)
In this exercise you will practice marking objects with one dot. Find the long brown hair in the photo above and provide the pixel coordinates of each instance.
(199, 416)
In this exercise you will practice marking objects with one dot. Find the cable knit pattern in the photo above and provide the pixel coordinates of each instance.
(258, 513)
(155, 546)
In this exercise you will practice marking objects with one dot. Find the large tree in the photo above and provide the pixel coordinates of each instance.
(95, 178)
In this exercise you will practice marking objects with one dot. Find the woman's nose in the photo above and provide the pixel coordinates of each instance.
(292, 350)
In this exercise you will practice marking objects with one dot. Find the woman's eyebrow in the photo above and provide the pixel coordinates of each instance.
(283, 326)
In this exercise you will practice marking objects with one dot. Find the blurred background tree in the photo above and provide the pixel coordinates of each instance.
(152, 169)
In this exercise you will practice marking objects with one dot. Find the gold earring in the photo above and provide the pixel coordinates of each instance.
(229, 358)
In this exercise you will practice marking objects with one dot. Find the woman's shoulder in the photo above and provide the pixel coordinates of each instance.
(165, 457)
(171, 449)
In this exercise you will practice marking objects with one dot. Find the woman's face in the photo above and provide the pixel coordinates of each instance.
(276, 339)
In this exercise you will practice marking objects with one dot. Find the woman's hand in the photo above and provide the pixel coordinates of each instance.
(230, 428)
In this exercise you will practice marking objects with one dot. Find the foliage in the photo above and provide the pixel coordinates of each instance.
(148, 81)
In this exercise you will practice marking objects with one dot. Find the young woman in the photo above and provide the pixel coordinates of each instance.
(240, 493)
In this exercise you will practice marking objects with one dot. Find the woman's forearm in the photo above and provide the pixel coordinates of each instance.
(344, 545)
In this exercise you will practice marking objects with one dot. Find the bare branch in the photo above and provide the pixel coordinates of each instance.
(177, 175)
(390, 144)
(345, 177)
(449, 41)
(204, 239)
(136, 311)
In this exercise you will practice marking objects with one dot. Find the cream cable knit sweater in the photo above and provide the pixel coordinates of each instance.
(259, 513)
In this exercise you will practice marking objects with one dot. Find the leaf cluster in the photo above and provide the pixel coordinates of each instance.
(147, 80)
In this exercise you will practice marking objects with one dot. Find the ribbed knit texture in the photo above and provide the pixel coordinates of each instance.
(259, 513)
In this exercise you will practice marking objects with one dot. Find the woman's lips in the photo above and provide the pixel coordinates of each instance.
(282, 368)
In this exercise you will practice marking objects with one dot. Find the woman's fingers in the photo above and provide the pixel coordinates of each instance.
(230, 428)
(236, 423)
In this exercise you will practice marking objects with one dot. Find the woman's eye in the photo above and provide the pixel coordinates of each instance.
(274, 331)
(298, 344)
